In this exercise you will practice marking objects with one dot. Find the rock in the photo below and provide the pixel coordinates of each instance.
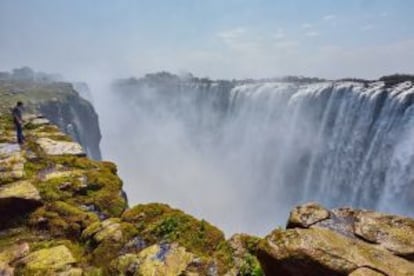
(365, 271)
(320, 251)
(14, 252)
(71, 272)
(394, 233)
(109, 229)
(159, 259)
(39, 122)
(31, 116)
(52, 147)
(57, 259)
(17, 199)
(19, 190)
(11, 254)
(244, 248)
(6, 270)
(341, 220)
(60, 174)
(307, 214)
(11, 162)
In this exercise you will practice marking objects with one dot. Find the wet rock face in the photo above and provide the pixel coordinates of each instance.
(341, 241)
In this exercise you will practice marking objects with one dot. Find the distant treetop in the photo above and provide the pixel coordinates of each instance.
(26, 73)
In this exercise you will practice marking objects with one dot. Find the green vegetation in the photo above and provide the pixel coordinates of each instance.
(396, 78)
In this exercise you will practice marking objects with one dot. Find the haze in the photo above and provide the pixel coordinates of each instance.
(218, 39)
(98, 41)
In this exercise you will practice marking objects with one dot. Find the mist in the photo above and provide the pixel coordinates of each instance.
(216, 152)
(233, 155)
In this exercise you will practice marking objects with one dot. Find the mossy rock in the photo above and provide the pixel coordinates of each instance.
(320, 251)
(47, 261)
(159, 259)
(61, 219)
(159, 222)
(105, 239)
(244, 249)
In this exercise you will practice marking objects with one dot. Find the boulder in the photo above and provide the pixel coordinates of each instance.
(307, 214)
(109, 229)
(395, 233)
(57, 259)
(14, 252)
(319, 251)
(17, 199)
(52, 147)
(11, 254)
(20, 190)
(158, 259)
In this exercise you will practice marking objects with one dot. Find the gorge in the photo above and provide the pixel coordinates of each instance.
(259, 146)
(256, 148)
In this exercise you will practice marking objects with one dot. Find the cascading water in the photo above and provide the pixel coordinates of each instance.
(241, 155)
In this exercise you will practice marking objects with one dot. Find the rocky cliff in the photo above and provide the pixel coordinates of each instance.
(61, 104)
(65, 214)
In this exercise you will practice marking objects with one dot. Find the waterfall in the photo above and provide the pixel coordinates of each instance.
(241, 155)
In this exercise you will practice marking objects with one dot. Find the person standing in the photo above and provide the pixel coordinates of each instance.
(17, 113)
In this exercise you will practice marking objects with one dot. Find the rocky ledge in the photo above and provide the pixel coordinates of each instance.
(65, 214)
(341, 241)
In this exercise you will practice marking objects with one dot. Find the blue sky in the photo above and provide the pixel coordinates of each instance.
(215, 38)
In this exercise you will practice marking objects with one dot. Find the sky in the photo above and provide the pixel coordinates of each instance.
(210, 38)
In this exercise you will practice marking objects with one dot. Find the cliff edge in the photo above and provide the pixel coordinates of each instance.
(65, 214)
(61, 104)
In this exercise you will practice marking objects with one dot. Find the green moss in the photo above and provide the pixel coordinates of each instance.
(105, 192)
(105, 239)
(50, 191)
(159, 222)
(250, 266)
(76, 162)
(33, 168)
(62, 219)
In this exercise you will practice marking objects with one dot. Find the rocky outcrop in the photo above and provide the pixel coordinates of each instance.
(61, 104)
(65, 214)
(342, 241)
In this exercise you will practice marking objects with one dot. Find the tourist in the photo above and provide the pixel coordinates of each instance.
(18, 122)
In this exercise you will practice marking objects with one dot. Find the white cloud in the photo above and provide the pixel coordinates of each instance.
(329, 17)
(367, 28)
(232, 34)
(312, 34)
(280, 34)
(306, 26)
